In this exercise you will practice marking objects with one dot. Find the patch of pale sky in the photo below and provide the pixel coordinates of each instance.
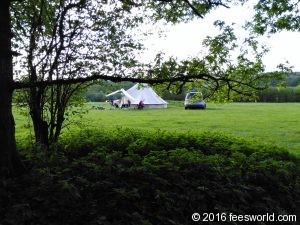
(184, 40)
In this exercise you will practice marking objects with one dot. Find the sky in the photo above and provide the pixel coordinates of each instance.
(184, 40)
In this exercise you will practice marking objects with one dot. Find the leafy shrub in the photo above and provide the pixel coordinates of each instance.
(126, 176)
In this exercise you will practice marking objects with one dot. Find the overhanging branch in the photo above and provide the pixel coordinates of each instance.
(178, 78)
(183, 78)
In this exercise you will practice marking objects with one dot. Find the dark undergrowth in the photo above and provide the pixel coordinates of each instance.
(132, 177)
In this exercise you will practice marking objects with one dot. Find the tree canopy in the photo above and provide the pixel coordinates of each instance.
(77, 41)
(272, 16)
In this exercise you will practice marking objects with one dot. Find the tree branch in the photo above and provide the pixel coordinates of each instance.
(22, 85)
(193, 8)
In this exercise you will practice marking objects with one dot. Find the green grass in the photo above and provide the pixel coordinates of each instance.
(277, 123)
(148, 176)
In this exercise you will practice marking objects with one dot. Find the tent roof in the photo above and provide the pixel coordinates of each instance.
(142, 92)
(124, 92)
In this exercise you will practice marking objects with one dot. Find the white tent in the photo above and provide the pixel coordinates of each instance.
(141, 92)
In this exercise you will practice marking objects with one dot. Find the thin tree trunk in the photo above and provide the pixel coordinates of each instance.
(39, 125)
(10, 163)
(40, 129)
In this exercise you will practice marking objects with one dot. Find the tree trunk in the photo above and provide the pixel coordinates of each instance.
(10, 163)
(40, 130)
(36, 112)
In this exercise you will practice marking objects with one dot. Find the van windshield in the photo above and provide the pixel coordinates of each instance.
(194, 95)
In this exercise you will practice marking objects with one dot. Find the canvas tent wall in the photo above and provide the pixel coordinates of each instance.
(142, 92)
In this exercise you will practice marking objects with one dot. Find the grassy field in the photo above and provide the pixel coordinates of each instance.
(277, 123)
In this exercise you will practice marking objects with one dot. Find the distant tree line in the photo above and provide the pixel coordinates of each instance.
(293, 79)
(280, 94)
(97, 92)
(167, 95)
(290, 93)
(277, 93)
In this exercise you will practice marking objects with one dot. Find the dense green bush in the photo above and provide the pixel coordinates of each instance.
(125, 176)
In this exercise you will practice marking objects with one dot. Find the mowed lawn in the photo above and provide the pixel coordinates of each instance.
(276, 123)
